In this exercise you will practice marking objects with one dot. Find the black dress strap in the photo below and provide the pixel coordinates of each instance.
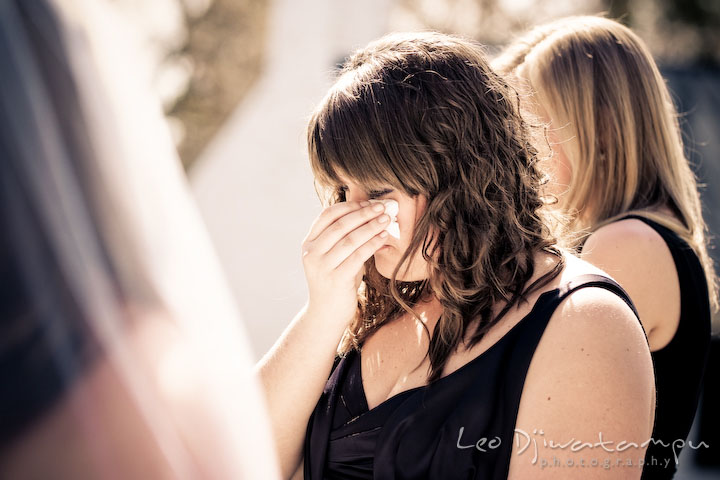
(594, 280)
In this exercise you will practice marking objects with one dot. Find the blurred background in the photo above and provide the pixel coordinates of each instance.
(239, 78)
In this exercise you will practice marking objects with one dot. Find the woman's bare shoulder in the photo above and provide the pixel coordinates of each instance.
(592, 315)
(635, 255)
(625, 239)
(590, 379)
(628, 246)
(576, 266)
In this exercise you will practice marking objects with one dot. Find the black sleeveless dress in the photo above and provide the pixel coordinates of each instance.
(433, 431)
(679, 366)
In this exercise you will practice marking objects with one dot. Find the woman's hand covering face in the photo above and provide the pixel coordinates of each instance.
(340, 241)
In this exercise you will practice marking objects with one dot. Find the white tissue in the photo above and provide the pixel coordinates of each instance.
(394, 229)
(391, 209)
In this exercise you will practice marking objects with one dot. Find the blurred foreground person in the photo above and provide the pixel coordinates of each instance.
(623, 180)
(121, 354)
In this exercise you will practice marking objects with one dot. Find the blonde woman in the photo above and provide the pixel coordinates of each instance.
(622, 178)
(421, 355)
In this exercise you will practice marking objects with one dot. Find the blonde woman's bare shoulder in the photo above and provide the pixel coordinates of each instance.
(630, 234)
(638, 258)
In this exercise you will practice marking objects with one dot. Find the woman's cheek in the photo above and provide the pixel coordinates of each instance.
(406, 223)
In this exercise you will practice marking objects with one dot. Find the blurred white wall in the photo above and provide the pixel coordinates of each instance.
(253, 183)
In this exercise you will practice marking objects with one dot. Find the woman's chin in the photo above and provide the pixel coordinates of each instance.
(385, 271)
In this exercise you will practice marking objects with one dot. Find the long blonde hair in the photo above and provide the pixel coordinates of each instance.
(598, 82)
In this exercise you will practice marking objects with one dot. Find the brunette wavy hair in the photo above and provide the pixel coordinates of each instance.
(424, 112)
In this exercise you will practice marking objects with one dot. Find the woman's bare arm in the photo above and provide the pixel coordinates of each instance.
(293, 373)
(299, 473)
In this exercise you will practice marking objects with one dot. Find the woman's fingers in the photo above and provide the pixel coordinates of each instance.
(355, 261)
(341, 226)
(346, 226)
(354, 240)
(330, 215)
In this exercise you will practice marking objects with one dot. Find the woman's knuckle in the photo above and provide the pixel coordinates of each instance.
(338, 226)
(348, 241)
(326, 214)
